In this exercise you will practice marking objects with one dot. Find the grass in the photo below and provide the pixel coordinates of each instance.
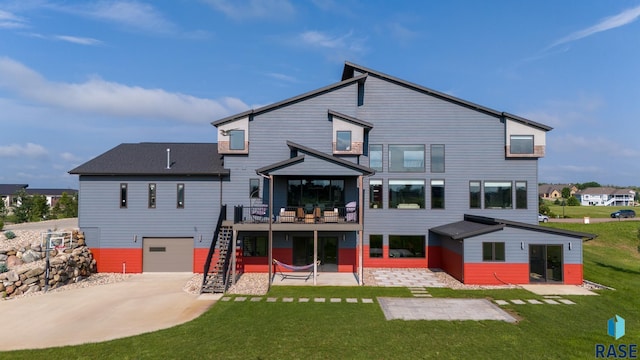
(260, 330)
(578, 212)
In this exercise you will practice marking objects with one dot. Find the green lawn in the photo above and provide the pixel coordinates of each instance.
(261, 330)
(590, 211)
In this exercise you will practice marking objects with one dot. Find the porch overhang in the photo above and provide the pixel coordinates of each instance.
(465, 229)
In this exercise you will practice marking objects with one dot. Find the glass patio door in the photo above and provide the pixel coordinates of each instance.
(545, 263)
(327, 252)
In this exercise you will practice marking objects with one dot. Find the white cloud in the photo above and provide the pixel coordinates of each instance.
(28, 150)
(11, 21)
(113, 99)
(251, 9)
(626, 17)
(78, 40)
(282, 77)
(67, 156)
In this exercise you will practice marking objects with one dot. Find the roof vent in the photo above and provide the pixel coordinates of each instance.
(168, 159)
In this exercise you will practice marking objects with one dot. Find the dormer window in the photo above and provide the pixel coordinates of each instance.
(343, 141)
(233, 136)
(522, 144)
(236, 139)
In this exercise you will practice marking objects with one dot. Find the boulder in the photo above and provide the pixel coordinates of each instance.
(34, 272)
(12, 276)
(31, 280)
(13, 261)
(30, 256)
(3, 257)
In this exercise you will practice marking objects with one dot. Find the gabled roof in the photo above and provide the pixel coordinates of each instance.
(11, 189)
(606, 191)
(151, 159)
(350, 69)
(314, 153)
(548, 188)
(290, 100)
(51, 192)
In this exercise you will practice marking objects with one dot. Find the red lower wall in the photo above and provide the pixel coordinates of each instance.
(451, 262)
(199, 258)
(493, 273)
(573, 274)
(112, 260)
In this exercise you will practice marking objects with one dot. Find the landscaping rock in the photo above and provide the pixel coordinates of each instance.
(13, 261)
(12, 276)
(30, 256)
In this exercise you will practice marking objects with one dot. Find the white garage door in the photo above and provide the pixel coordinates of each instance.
(167, 255)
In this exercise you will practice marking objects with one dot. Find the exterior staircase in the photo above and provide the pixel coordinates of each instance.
(216, 268)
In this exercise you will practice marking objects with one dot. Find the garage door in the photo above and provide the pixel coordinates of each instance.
(167, 255)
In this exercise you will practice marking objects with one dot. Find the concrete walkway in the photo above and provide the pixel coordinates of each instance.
(144, 303)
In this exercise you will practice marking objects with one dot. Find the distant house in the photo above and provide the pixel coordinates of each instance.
(52, 195)
(554, 191)
(8, 192)
(606, 196)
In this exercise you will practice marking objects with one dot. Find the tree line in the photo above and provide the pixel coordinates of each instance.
(34, 207)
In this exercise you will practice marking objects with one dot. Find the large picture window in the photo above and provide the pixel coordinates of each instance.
(254, 246)
(406, 194)
(521, 144)
(437, 158)
(521, 194)
(406, 158)
(493, 251)
(375, 246)
(375, 194)
(375, 157)
(498, 195)
(475, 197)
(236, 140)
(437, 194)
(321, 192)
(406, 246)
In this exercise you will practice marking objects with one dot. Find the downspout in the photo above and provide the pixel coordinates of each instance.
(361, 235)
(270, 213)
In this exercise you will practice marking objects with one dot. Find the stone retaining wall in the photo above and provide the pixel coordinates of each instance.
(27, 266)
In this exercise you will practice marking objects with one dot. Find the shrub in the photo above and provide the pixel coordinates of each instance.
(9, 234)
(3, 268)
(1, 225)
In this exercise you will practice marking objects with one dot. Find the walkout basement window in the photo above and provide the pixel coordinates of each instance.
(406, 246)
(492, 251)
(254, 246)
(521, 144)
(437, 158)
(475, 197)
(521, 194)
(437, 194)
(236, 139)
(343, 140)
(152, 196)
(375, 194)
(375, 157)
(375, 246)
(406, 158)
(497, 195)
(123, 196)
(406, 194)
(180, 196)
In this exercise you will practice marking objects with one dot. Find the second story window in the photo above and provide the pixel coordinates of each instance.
(254, 188)
(343, 140)
(498, 195)
(437, 194)
(437, 158)
(475, 197)
(123, 196)
(180, 196)
(375, 194)
(236, 140)
(375, 157)
(521, 194)
(406, 194)
(152, 196)
(406, 158)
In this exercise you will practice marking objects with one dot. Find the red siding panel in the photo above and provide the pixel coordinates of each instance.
(347, 261)
(452, 263)
(112, 260)
(199, 258)
(492, 273)
(573, 274)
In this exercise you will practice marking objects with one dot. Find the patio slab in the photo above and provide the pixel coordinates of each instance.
(557, 290)
(442, 309)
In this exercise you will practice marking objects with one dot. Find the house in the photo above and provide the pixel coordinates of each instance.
(554, 191)
(606, 196)
(52, 195)
(370, 171)
(8, 193)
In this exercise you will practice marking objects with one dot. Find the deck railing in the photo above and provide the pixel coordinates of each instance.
(296, 214)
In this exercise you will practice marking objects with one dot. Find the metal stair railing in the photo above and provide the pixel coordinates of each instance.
(212, 249)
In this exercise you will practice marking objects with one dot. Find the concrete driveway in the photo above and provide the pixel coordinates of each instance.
(143, 303)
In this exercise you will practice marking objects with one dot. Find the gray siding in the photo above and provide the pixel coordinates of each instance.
(514, 252)
(109, 226)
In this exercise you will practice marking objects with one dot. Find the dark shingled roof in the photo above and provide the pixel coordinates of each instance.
(11, 189)
(151, 159)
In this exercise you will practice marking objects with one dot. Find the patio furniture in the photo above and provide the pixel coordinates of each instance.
(259, 213)
(352, 215)
(331, 216)
(299, 214)
(287, 216)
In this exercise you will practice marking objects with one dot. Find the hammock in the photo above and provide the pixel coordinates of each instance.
(280, 266)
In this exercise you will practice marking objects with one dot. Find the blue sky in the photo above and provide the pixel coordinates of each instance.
(80, 77)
